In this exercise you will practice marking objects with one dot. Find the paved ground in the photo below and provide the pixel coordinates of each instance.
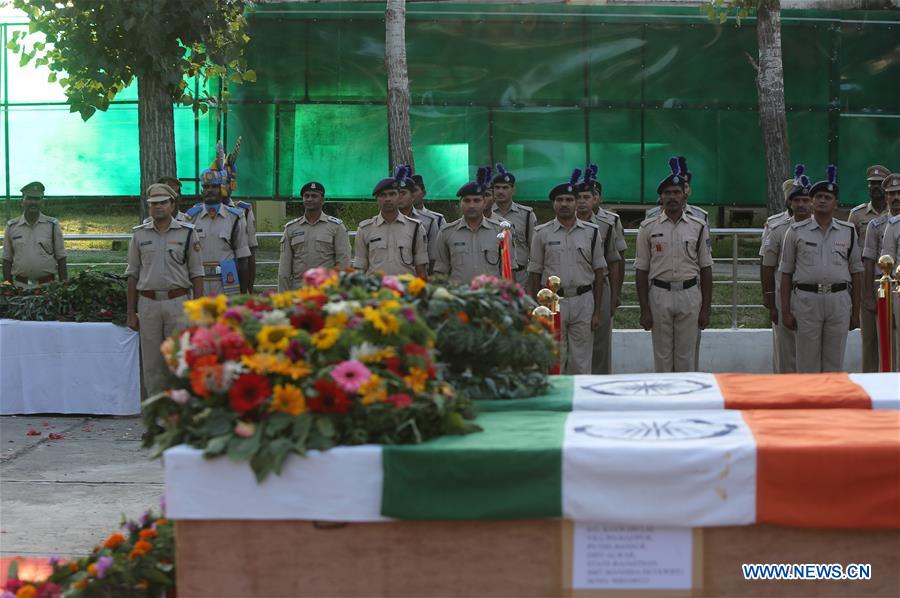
(61, 497)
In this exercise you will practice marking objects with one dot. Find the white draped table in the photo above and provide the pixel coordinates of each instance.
(69, 367)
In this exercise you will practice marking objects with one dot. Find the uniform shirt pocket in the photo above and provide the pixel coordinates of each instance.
(840, 255)
(458, 252)
(148, 249)
(45, 247)
(690, 249)
(553, 253)
(807, 253)
(176, 254)
(225, 242)
(325, 249)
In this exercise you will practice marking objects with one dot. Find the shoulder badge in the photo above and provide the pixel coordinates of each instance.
(139, 226)
(11, 221)
(542, 226)
(844, 223)
(290, 222)
(236, 211)
(244, 205)
(365, 222)
(448, 225)
(334, 219)
(526, 208)
(194, 210)
(894, 219)
(189, 225)
(861, 206)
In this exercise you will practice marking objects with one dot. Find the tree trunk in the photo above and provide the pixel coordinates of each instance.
(156, 134)
(399, 135)
(772, 117)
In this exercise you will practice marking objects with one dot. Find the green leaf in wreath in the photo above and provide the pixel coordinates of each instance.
(217, 445)
(277, 424)
(300, 432)
(241, 449)
(280, 449)
(219, 422)
(325, 427)
(262, 463)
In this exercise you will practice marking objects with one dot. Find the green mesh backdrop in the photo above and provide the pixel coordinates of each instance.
(542, 89)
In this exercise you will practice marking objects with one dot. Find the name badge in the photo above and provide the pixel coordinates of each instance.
(146, 243)
(554, 243)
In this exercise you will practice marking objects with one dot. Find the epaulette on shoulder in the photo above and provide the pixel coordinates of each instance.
(647, 220)
(777, 216)
(489, 220)
(52, 220)
(544, 225)
(366, 222)
(879, 220)
(861, 206)
(194, 210)
(526, 208)
(607, 217)
(294, 221)
(334, 219)
(894, 219)
(447, 225)
(701, 210)
(186, 224)
(141, 225)
(651, 212)
(801, 223)
(11, 221)
(589, 224)
(244, 205)
(697, 219)
(236, 211)
(610, 213)
(844, 223)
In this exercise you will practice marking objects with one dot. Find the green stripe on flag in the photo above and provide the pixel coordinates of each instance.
(512, 470)
(558, 398)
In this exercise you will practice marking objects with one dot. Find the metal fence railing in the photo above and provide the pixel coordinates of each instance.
(722, 276)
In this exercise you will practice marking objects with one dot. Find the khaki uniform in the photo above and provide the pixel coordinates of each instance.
(859, 217)
(432, 221)
(34, 249)
(390, 247)
(573, 255)
(179, 216)
(784, 357)
(890, 245)
(872, 250)
(249, 222)
(827, 258)
(463, 254)
(601, 360)
(161, 262)
(324, 243)
(524, 223)
(222, 237)
(691, 210)
(673, 255)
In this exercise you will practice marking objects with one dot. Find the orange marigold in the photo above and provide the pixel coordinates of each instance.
(146, 534)
(161, 521)
(73, 567)
(27, 591)
(114, 540)
(462, 317)
(80, 584)
(92, 570)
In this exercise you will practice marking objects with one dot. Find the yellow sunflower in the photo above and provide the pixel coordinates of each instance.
(282, 300)
(205, 310)
(287, 398)
(275, 338)
(373, 390)
(416, 286)
(306, 293)
(326, 338)
(337, 320)
(384, 323)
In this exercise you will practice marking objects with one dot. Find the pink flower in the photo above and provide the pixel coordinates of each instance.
(180, 396)
(483, 280)
(391, 282)
(104, 564)
(244, 429)
(400, 400)
(350, 375)
(316, 276)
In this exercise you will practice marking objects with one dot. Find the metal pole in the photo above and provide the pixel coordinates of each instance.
(6, 119)
(734, 277)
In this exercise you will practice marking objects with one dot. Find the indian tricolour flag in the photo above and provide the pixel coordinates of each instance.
(827, 468)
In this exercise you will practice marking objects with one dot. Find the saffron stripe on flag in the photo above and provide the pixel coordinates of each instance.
(827, 468)
(793, 391)
(512, 470)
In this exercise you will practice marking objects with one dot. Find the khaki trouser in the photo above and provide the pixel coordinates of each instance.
(868, 332)
(823, 320)
(784, 350)
(601, 362)
(158, 320)
(675, 328)
(576, 343)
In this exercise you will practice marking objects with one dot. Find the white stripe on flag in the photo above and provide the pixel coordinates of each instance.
(883, 389)
(341, 484)
(690, 468)
(647, 392)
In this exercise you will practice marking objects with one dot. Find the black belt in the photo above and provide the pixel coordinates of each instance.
(674, 286)
(822, 288)
(579, 291)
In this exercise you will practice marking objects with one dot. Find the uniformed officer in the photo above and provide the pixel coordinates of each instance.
(859, 217)
(601, 361)
(618, 241)
(222, 238)
(488, 195)
(571, 249)
(799, 208)
(890, 245)
(433, 221)
(521, 218)
(872, 251)
(469, 246)
(33, 250)
(164, 268)
(175, 185)
(313, 240)
(694, 211)
(820, 281)
(249, 223)
(391, 242)
(673, 272)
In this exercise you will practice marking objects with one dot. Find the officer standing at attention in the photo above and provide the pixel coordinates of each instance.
(618, 241)
(799, 208)
(890, 245)
(313, 240)
(223, 239)
(820, 281)
(673, 255)
(859, 217)
(694, 211)
(571, 249)
(33, 249)
(469, 246)
(521, 218)
(433, 221)
(601, 360)
(164, 267)
(391, 242)
(249, 223)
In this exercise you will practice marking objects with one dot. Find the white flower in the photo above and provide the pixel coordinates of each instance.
(180, 396)
(276, 317)
(184, 343)
(364, 350)
(337, 307)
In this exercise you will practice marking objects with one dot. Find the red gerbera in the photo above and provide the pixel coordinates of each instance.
(395, 365)
(248, 392)
(330, 398)
(308, 320)
(414, 349)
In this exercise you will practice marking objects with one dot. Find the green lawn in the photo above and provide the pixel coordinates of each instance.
(106, 219)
